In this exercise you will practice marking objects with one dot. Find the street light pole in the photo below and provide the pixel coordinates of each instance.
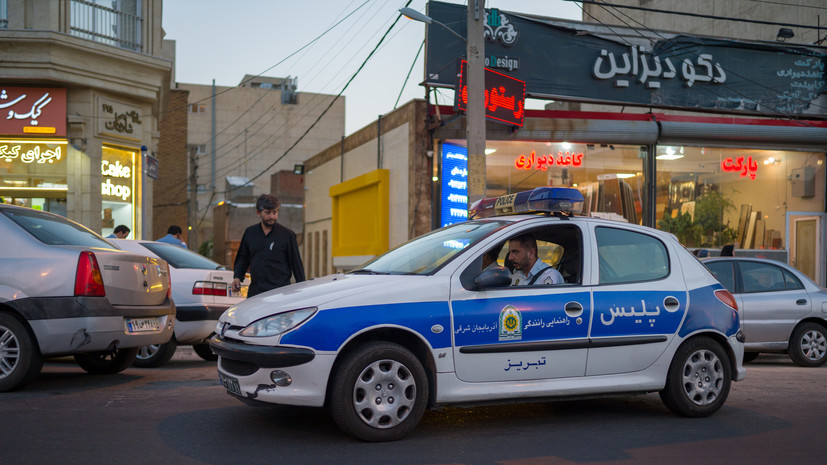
(475, 118)
(475, 115)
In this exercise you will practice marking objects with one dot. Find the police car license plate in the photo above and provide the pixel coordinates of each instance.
(141, 325)
(229, 383)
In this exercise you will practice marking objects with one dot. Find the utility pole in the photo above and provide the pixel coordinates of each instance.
(212, 139)
(192, 210)
(475, 118)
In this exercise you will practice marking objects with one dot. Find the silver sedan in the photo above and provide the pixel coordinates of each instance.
(782, 310)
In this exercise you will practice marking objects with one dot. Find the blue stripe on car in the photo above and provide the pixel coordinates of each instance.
(330, 328)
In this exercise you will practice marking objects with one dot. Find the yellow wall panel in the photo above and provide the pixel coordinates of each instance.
(360, 215)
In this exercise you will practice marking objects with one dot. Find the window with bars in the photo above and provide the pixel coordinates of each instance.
(112, 22)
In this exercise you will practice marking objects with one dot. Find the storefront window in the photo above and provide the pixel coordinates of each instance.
(609, 176)
(33, 174)
(117, 189)
(712, 197)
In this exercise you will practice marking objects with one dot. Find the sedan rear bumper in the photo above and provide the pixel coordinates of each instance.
(200, 312)
(71, 325)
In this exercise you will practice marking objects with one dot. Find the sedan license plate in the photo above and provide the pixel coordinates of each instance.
(142, 325)
(229, 383)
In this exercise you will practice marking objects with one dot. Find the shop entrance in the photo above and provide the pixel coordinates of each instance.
(806, 250)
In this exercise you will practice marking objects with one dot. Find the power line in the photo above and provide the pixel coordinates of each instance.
(409, 74)
(696, 15)
(332, 101)
(786, 4)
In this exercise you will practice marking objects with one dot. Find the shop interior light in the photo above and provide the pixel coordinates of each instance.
(490, 151)
(625, 175)
(671, 154)
(566, 145)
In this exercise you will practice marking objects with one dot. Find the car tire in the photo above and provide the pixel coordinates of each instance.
(379, 392)
(155, 355)
(750, 356)
(203, 350)
(699, 378)
(808, 345)
(20, 359)
(108, 362)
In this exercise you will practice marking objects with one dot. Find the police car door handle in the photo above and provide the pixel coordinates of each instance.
(671, 303)
(573, 309)
(801, 302)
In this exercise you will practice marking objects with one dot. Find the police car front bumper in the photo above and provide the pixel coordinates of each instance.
(272, 374)
(262, 356)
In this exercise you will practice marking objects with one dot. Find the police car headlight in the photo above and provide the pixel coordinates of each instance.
(277, 324)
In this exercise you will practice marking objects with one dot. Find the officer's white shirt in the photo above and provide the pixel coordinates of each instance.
(549, 276)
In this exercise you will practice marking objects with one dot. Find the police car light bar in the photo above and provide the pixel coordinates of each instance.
(563, 200)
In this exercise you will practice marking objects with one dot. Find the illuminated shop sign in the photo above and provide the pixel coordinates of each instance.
(31, 153)
(117, 175)
(454, 184)
(542, 162)
(748, 167)
(27, 111)
(504, 96)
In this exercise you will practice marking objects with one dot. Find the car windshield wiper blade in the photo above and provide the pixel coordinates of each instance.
(367, 271)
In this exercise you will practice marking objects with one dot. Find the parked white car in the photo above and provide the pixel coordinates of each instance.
(428, 324)
(202, 291)
(64, 290)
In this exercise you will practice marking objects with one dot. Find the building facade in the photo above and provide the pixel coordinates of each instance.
(84, 84)
(368, 193)
(260, 127)
(748, 171)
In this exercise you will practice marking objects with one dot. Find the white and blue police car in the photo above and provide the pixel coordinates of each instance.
(429, 324)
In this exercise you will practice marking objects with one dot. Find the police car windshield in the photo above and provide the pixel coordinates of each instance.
(425, 254)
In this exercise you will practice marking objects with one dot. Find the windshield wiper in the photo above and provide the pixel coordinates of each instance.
(367, 271)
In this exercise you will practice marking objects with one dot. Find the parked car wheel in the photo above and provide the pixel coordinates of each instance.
(750, 356)
(699, 379)
(20, 359)
(808, 345)
(107, 363)
(155, 355)
(379, 392)
(203, 350)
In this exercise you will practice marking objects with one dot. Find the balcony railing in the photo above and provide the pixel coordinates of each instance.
(119, 26)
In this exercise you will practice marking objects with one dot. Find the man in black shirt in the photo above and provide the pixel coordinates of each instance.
(269, 250)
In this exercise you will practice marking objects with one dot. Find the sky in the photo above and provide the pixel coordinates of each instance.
(222, 41)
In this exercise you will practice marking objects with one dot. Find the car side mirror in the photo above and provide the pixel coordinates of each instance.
(497, 276)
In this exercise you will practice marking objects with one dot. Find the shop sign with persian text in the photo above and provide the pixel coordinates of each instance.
(33, 111)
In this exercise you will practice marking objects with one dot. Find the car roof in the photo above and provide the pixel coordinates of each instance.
(574, 218)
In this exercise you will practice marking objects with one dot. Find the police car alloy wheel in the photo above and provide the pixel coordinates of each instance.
(20, 359)
(379, 392)
(699, 378)
(808, 345)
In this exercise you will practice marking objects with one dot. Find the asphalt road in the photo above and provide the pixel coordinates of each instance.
(179, 415)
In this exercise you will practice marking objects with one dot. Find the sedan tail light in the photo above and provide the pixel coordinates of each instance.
(88, 280)
(724, 296)
(210, 288)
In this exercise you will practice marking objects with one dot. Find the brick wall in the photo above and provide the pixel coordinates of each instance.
(170, 190)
